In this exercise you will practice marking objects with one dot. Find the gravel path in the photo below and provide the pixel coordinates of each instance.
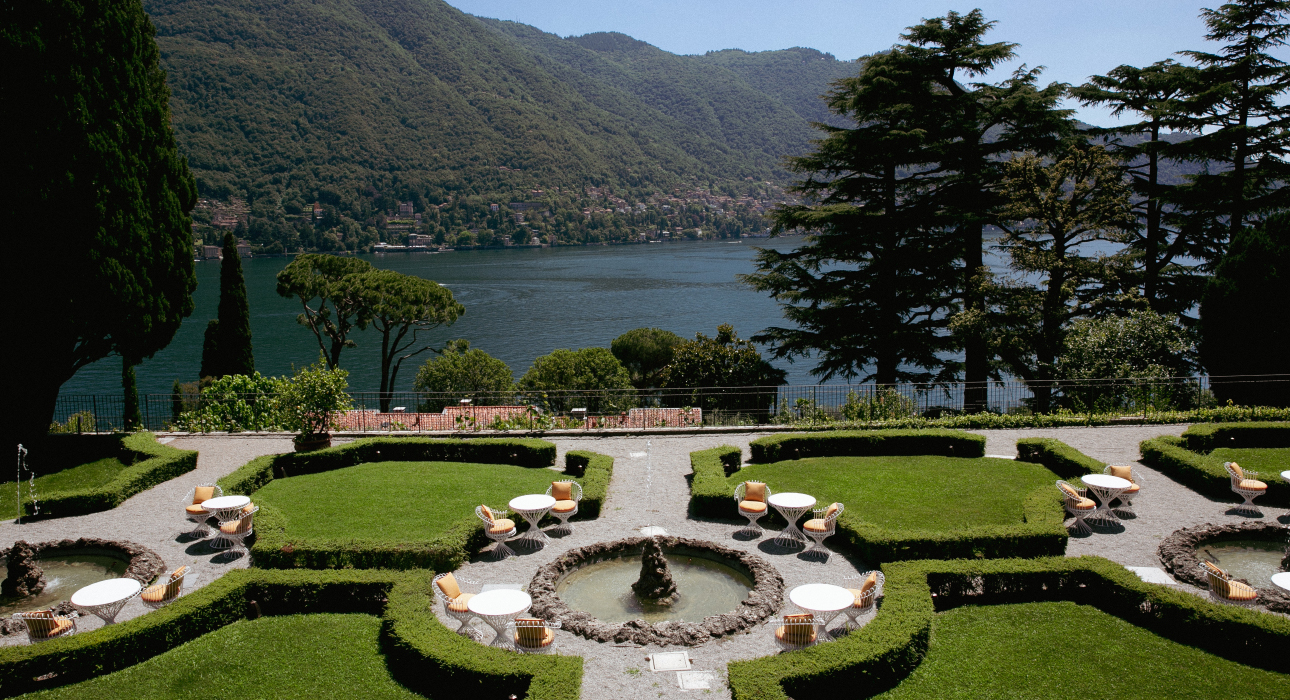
(649, 488)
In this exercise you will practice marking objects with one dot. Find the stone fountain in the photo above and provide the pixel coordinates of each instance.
(26, 578)
(655, 583)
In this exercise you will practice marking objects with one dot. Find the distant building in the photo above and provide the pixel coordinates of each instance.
(417, 239)
(523, 206)
(318, 211)
(494, 207)
(405, 209)
(210, 252)
(243, 249)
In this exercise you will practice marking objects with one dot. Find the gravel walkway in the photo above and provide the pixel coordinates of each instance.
(649, 488)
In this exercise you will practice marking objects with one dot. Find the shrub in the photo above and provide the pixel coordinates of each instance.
(235, 403)
(596, 471)
(313, 397)
(1207, 438)
(1201, 472)
(1061, 459)
(595, 371)
(148, 464)
(464, 374)
(949, 443)
(723, 361)
(1142, 345)
(645, 352)
(884, 404)
(710, 493)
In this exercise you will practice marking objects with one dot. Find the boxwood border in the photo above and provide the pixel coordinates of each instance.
(884, 652)
(1175, 458)
(274, 548)
(148, 463)
(422, 654)
(1040, 533)
(1061, 459)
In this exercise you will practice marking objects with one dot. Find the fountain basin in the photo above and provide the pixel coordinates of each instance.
(1249, 551)
(749, 590)
(1253, 561)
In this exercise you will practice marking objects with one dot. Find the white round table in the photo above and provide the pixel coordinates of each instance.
(1282, 580)
(791, 506)
(1285, 475)
(499, 607)
(532, 507)
(106, 598)
(1107, 488)
(225, 508)
(823, 600)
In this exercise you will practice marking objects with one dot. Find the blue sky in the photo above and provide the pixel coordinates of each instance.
(1073, 38)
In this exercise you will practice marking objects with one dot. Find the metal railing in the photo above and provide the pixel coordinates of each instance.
(721, 405)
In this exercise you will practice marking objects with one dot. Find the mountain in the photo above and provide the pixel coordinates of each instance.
(291, 100)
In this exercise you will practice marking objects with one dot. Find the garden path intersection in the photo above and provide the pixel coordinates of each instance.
(649, 488)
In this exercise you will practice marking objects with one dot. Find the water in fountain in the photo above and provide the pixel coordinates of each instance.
(1253, 560)
(64, 575)
(604, 589)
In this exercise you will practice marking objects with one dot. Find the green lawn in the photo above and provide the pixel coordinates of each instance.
(1269, 462)
(396, 501)
(910, 493)
(1064, 650)
(296, 656)
(83, 477)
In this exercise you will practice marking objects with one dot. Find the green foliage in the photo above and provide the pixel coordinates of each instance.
(880, 405)
(93, 142)
(1207, 438)
(949, 443)
(645, 352)
(464, 374)
(335, 313)
(313, 397)
(238, 403)
(723, 361)
(595, 471)
(227, 347)
(595, 371)
(1138, 345)
(1059, 418)
(83, 422)
(1268, 462)
(1237, 334)
(1204, 473)
(131, 416)
(1061, 459)
(890, 647)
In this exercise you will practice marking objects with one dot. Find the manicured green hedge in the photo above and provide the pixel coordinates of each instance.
(859, 443)
(1061, 459)
(886, 650)
(1039, 534)
(1207, 438)
(423, 654)
(1203, 473)
(595, 471)
(149, 463)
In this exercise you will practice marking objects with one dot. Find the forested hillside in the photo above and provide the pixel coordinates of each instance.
(334, 99)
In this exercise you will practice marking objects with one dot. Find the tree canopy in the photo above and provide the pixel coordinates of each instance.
(590, 378)
(331, 312)
(227, 347)
(463, 372)
(712, 364)
(645, 352)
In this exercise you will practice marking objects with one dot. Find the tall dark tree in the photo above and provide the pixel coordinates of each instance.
(130, 415)
(723, 373)
(1167, 282)
(331, 311)
(88, 136)
(227, 345)
(1238, 111)
(1241, 333)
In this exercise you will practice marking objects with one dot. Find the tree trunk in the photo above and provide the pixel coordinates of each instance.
(976, 355)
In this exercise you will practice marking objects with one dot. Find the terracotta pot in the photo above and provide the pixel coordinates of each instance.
(315, 442)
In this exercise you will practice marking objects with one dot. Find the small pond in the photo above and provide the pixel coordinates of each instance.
(1253, 560)
(604, 589)
(64, 575)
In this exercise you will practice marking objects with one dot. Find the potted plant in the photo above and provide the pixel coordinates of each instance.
(312, 400)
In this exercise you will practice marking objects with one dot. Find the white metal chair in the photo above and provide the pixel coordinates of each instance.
(751, 497)
(194, 511)
(823, 525)
(1135, 490)
(867, 594)
(795, 631)
(165, 592)
(531, 635)
(237, 530)
(497, 529)
(1078, 504)
(1223, 589)
(44, 625)
(449, 590)
(567, 494)
(1246, 486)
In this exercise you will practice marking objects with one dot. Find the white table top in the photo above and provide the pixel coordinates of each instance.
(824, 597)
(224, 502)
(1282, 579)
(1286, 475)
(791, 500)
(1106, 481)
(106, 592)
(500, 602)
(531, 502)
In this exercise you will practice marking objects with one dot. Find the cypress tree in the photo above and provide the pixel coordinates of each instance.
(130, 412)
(226, 348)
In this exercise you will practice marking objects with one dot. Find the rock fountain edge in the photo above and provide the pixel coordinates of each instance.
(1178, 554)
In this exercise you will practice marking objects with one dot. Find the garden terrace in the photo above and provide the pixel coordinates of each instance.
(1196, 458)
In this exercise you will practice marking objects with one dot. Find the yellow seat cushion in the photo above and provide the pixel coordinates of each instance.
(50, 628)
(752, 506)
(203, 493)
(816, 525)
(754, 491)
(458, 604)
(1082, 504)
(1239, 591)
(1125, 473)
(564, 506)
(501, 525)
(448, 585)
(237, 527)
(195, 509)
(248, 507)
(533, 635)
(1069, 490)
(562, 490)
(833, 508)
(1236, 469)
(487, 513)
(1212, 568)
(1252, 485)
(1131, 490)
(796, 633)
(154, 594)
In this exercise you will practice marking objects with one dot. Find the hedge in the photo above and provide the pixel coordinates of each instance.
(859, 443)
(1061, 459)
(274, 548)
(884, 652)
(412, 637)
(1207, 438)
(1040, 533)
(1203, 473)
(148, 464)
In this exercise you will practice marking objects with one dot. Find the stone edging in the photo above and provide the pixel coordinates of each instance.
(766, 597)
(1178, 554)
